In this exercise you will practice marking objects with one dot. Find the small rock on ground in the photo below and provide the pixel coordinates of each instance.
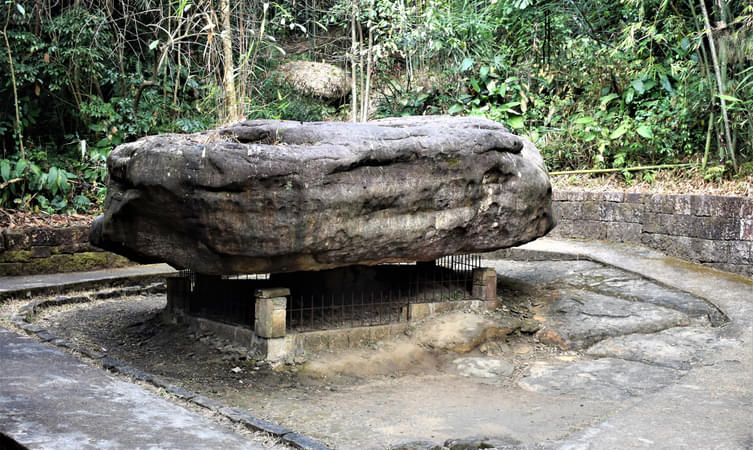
(483, 367)
(316, 79)
(462, 332)
(476, 443)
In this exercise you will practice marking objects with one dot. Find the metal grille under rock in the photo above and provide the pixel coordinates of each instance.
(345, 297)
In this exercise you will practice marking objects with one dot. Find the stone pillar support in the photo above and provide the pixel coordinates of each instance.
(485, 284)
(271, 305)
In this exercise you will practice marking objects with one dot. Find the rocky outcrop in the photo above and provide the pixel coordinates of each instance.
(278, 196)
(316, 79)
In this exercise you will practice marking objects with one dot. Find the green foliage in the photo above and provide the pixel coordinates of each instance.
(594, 84)
(616, 84)
(75, 92)
(36, 185)
(714, 173)
(278, 100)
(397, 99)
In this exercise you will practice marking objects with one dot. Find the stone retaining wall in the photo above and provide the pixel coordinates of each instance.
(716, 231)
(32, 251)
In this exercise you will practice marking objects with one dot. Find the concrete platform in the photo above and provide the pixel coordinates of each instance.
(49, 399)
(28, 285)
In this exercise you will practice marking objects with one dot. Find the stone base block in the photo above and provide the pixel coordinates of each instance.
(278, 349)
(269, 319)
(485, 284)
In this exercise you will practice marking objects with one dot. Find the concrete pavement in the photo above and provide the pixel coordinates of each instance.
(710, 407)
(49, 399)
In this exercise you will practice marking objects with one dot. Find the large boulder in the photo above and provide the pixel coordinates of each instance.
(280, 196)
(316, 79)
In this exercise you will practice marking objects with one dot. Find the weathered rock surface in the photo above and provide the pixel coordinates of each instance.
(578, 319)
(676, 348)
(278, 196)
(316, 79)
(483, 367)
(476, 443)
(610, 281)
(605, 379)
(418, 445)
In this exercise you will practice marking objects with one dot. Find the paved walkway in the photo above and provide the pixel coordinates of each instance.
(41, 284)
(49, 399)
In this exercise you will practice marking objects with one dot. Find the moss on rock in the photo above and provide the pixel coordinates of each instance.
(22, 265)
(16, 256)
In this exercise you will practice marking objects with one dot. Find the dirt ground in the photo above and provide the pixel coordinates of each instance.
(374, 397)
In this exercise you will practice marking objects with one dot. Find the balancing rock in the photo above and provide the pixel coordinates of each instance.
(279, 196)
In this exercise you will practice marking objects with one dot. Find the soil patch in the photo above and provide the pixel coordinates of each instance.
(690, 181)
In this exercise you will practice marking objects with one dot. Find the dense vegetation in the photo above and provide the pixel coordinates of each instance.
(596, 84)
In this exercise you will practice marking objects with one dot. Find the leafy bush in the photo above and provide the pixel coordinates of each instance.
(278, 100)
(34, 185)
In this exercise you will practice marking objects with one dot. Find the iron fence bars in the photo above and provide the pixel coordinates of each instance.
(325, 312)
(385, 297)
(353, 296)
(221, 298)
(446, 279)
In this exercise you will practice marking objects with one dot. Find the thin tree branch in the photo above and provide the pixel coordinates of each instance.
(19, 131)
(9, 182)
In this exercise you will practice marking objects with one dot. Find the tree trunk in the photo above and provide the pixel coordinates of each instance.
(354, 82)
(231, 102)
(19, 129)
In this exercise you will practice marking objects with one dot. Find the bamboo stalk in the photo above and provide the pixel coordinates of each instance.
(361, 75)
(228, 62)
(708, 141)
(252, 64)
(354, 83)
(717, 71)
(623, 169)
(367, 90)
(701, 48)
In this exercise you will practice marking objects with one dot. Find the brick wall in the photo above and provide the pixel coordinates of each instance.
(713, 230)
(50, 250)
